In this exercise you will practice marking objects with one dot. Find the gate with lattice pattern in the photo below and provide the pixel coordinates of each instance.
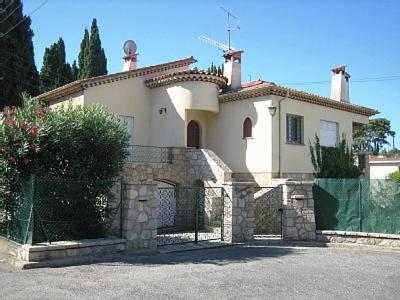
(268, 211)
(190, 214)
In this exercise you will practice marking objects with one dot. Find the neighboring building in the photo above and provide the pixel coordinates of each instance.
(380, 167)
(259, 129)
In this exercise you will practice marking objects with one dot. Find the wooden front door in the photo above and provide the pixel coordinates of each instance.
(193, 135)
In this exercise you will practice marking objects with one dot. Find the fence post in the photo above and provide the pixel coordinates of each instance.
(31, 225)
(196, 224)
(359, 204)
(222, 213)
(121, 206)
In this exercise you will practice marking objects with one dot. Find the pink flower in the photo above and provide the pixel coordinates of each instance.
(12, 111)
(11, 122)
(35, 129)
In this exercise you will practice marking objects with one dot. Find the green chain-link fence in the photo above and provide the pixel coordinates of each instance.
(357, 205)
(51, 209)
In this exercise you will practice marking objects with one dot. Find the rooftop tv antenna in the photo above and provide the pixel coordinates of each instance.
(219, 45)
(230, 28)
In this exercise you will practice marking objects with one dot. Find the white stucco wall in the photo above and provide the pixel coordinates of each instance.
(296, 158)
(76, 99)
(129, 98)
(381, 170)
(181, 101)
(225, 135)
(261, 154)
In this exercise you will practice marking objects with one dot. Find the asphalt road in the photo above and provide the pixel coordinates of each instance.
(251, 272)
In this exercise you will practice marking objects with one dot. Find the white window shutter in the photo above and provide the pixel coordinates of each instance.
(328, 134)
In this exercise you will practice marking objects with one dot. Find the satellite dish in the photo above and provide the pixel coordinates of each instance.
(130, 47)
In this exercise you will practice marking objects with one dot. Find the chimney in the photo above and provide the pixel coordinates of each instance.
(129, 62)
(130, 57)
(340, 84)
(232, 69)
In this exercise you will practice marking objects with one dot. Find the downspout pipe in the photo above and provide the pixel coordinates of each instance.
(279, 134)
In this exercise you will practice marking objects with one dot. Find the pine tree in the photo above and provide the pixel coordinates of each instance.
(84, 56)
(55, 71)
(18, 72)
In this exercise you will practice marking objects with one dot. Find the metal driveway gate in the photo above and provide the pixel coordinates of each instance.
(268, 211)
(190, 214)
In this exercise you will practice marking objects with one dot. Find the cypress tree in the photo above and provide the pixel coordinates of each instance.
(18, 72)
(97, 59)
(84, 56)
(92, 59)
(55, 71)
(75, 70)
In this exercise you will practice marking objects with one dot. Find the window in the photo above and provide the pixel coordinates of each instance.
(247, 128)
(294, 129)
(328, 134)
(357, 128)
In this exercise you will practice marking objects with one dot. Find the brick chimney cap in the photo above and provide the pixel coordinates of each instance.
(341, 69)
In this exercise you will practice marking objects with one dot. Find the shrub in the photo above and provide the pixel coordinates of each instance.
(86, 145)
(394, 176)
(333, 162)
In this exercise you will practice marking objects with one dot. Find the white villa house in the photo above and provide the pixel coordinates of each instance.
(259, 129)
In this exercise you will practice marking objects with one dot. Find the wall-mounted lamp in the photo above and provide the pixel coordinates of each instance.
(162, 111)
(272, 110)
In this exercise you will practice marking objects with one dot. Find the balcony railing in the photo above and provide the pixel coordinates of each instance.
(149, 154)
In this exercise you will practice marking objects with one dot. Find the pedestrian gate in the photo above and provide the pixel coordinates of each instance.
(268, 211)
(190, 214)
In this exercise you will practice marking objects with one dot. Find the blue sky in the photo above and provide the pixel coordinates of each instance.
(285, 41)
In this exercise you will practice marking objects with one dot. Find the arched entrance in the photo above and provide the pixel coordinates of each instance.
(193, 134)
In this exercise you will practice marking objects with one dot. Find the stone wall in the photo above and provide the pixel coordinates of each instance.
(239, 212)
(264, 179)
(188, 167)
(139, 215)
(298, 211)
(360, 238)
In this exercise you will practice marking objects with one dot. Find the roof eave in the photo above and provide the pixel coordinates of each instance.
(296, 95)
(80, 85)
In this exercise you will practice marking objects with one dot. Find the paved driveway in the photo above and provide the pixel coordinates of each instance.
(255, 272)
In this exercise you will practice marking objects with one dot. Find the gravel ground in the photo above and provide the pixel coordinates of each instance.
(255, 272)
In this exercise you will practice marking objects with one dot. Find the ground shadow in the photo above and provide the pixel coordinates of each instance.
(220, 256)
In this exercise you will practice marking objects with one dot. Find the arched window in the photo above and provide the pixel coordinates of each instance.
(247, 128)
(193, 134)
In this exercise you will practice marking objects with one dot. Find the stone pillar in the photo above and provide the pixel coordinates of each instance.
(139, 215)
(298, 219)
(239, 212)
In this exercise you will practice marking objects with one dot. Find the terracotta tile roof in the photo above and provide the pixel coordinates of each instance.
(260, 88)
(188, 75)
(80, 85)
(255, 83)
(384, 159)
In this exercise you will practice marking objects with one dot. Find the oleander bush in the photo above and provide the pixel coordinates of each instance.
(61, 149)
